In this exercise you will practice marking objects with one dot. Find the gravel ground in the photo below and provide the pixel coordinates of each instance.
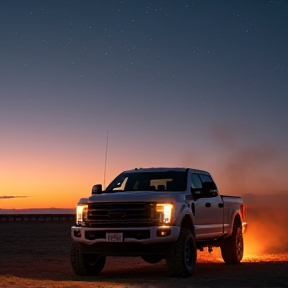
(34, 254)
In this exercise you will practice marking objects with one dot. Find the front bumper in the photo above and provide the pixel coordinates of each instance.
(137, 235)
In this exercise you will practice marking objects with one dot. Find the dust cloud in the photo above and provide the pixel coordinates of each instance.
(246, 166)
(267, 222)
(266, 238)
(255, 171)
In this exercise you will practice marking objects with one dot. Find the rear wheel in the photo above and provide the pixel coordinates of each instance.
(232, 248)
(181, 261)
(85, 264)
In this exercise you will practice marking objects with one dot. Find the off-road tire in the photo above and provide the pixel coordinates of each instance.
(233, 247)
(85, 264)
(181, 261)
(152, 259)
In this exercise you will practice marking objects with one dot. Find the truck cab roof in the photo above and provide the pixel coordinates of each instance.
(165, 169)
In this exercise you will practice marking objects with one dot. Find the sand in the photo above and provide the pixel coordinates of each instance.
(35, 254)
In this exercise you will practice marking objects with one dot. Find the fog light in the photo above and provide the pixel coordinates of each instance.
(77, 233)
(163, 232)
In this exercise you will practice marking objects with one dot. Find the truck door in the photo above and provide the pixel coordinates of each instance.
(208, 206)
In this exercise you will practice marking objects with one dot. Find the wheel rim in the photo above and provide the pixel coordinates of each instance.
(239, 245)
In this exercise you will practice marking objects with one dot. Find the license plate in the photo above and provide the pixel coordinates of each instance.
(114, 237)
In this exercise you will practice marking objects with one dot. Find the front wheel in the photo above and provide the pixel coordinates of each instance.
(232, 248)
(181, 261)
(85, 264)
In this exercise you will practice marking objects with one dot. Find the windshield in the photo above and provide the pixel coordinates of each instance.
(149, 181)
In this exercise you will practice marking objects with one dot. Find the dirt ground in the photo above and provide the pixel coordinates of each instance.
(34, 254)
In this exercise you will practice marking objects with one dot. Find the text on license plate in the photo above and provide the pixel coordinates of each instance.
(114, 237)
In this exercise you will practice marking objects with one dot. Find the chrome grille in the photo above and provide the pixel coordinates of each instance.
(125, 214)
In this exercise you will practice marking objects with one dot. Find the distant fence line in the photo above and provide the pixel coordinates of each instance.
(37, 217)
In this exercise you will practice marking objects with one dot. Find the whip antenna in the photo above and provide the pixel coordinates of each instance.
(106, 158)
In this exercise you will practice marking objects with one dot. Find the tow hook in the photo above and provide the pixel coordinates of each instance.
(210, 249)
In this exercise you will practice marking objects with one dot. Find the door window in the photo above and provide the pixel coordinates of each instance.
(195, 181)
(209, 188)
(196, 186)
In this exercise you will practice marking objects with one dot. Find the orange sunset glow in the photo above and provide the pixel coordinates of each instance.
(57, 176)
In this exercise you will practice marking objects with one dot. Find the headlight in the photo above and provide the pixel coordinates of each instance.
(81, 213)
(164, 213)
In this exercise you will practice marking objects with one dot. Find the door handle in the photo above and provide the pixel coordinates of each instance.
(208, 204)
(221, 205)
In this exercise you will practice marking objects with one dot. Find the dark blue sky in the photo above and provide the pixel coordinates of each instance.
(177, 83)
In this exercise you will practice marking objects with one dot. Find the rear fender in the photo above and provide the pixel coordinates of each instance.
(236, 220)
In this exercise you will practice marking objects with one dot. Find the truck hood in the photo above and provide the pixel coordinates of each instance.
(137, 196)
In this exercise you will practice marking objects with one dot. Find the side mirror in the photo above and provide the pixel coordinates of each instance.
(210, 189)
(196, 193)
(97, 189)
(213, 192)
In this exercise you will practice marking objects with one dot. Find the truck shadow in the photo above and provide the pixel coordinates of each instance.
(135, 274)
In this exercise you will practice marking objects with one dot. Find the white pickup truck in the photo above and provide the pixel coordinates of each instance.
(157, 213)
